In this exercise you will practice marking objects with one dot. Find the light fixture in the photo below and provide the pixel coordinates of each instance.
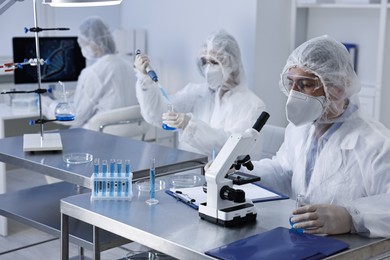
(80, 3)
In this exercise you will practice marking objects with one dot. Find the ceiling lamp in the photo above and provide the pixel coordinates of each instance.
(80, 3)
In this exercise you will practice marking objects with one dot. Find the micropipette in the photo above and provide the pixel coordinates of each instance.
(152, 74)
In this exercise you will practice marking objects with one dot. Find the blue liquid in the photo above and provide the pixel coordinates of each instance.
(127, 174)
(96, 173)
(166, 127)
(126, 188)
(297, 230)
(119, 189)
(152, 176)
(65, 117)
(104, 174)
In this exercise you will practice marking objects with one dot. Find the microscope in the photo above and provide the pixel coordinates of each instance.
(225, 205)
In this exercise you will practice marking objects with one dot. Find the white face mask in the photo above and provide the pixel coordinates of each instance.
(88, 53)
(214, 76)
(304, 109)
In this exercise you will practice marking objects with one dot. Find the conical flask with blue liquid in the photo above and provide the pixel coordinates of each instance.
(64, 111)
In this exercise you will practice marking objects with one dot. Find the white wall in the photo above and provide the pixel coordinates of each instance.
(20, 15)
(272, 50)
(176, 30)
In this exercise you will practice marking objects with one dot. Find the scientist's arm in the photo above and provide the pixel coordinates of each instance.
(203, 137)
(87, 95)
(148, 93)
(368, 215)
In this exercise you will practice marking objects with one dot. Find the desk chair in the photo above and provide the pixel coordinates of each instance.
(273, 137)
(125, 122)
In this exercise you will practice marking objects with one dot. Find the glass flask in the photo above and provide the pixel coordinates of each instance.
(165, 126)
(64, 111)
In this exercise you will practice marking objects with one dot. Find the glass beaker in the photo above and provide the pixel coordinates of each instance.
(299, 202)
(165, 126)
(64, 111)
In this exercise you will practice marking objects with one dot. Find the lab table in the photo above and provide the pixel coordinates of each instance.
(173, 228)
(39, 207)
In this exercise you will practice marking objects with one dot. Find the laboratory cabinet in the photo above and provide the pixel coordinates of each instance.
(361, 22)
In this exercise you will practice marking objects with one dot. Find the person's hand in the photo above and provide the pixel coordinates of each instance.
(322, 219)
(176, 120)
(141, 62)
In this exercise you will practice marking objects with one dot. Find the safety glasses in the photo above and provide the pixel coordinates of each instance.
(205, 61)
(306, 85)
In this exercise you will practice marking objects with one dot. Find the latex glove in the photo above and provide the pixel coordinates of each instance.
(176, 120)
(322, 219)
(141, 62)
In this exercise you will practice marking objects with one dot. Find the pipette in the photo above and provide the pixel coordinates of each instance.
(152, 74)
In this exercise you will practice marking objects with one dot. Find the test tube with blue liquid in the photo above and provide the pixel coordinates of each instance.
(112, 174)
(152, 175)
(96, 174)
(104, 175)
(127, 174)
(119, 172)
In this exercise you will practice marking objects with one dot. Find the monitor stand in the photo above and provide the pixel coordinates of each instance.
(46, 142)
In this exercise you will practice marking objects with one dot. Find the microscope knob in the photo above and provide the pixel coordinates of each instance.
(228, 193)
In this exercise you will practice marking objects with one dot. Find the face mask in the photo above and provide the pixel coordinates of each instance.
(88, 53)
(214, 76)
(303, 109)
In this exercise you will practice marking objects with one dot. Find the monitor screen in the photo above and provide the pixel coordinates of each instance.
(63, 54)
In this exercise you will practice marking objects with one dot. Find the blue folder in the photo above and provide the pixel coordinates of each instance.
(279, 243)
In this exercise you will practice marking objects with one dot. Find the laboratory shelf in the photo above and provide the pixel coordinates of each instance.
(39, 207)
(349, 6)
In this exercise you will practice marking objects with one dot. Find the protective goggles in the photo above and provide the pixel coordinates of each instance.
(306, 85)
(205, 61)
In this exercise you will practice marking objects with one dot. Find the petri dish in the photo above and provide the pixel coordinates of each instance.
(77, 158)
(185, 181)
(144, 185)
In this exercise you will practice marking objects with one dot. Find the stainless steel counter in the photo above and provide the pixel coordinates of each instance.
(103, 146)
(39, 207)
(176, 229)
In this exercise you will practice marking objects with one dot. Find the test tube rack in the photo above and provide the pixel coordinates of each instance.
(112, 185)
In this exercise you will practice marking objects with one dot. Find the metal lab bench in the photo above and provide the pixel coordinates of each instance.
(176, 229)
(39, 207)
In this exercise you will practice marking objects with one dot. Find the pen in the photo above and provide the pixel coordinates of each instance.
(185, 199)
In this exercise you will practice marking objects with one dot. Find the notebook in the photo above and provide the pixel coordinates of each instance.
(279, 243)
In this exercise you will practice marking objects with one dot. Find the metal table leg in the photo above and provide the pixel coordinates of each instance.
(96, 244)
(64, 237)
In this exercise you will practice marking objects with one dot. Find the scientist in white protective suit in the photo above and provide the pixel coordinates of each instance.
(102, 86)
(336, 158)
(205, 114)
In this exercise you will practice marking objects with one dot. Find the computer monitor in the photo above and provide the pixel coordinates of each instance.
(63, 54)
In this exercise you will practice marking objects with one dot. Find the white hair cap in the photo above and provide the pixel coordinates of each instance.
(331, 62)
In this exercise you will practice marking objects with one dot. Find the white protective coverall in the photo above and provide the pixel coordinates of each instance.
(214, 114)
(351, 166)
(104, 85)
